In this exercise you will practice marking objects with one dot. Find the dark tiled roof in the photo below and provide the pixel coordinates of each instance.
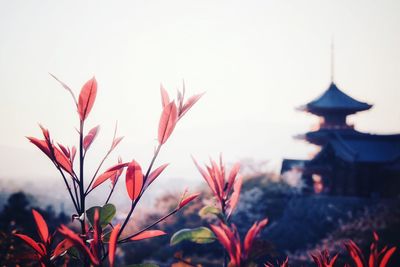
(333, 99)
(364, 148)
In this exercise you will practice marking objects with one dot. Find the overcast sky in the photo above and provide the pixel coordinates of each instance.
(256, 61)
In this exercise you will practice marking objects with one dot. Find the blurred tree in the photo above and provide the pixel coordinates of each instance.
(16, 216)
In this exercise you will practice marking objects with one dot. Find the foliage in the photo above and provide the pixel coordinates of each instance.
(99, 237)
(225, 187)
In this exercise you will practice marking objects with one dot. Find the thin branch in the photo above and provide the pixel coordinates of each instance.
(149, 226)
(68, 187)
(127, 218)
(109, 195)
(134, 203)
(88, 190)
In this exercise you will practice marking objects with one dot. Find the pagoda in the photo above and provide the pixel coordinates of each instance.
(333, 107)
(348, 162)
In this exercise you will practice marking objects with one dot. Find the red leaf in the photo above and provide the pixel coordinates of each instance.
(148, 234)
(189, 104)
(102, 178)
(62, 247)
(42, 145)
(206, 177)
(232, 175)
(134, 180)
(187, 200)
(376, 236)
(77, 242)
(86, 98)
(87, 141)
(110, 172)
(73, 153)
(217, 176)
(41, 226)
(154, 174)
(252, 233)
(118, 166)
(112, 246)
(32, 243)
(62, 160)
(225, 242)
(115, 177)
(355, 253)
(387, 256)
(95, 244)
(116, 141)
(64, 150)
(167, 123)
(164, 96)
(234, 199)
(65, 87)
(45, 132)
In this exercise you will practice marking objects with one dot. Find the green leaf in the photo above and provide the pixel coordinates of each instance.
(142, 265)
(210, 210)
(107, 213)
(74, 253)
(201, 235)
(106, 236)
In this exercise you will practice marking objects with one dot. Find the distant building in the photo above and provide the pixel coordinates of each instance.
(349, 162)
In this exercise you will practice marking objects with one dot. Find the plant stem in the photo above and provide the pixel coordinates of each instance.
(150, 226)
(152, 162)
(81, 178)
(87, 191)
(134, 203)
(109, 195)
(127, 218)
(69, 189)
(76, 194)
(81, 188)
(223, 208)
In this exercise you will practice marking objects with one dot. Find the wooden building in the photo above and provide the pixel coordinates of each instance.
(349, 162)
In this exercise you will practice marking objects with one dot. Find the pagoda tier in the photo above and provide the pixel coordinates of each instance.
(334, 106)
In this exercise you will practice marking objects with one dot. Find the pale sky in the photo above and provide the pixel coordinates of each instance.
(256, 61)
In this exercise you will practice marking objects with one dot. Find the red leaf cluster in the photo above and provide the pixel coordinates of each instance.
(77, 242)
(42, 248)
(322, 259)
(226, 188)
(90, 241)
(230, 240)
(377, 258)
(172, 112)
(62, 157)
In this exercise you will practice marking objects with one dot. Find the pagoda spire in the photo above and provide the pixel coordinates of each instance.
(332, 59)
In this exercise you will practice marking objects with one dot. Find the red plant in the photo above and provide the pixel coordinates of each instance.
(91, 242)
(226, 188)
(283, 264)
(41, 249)
(377, 258)
(322, 259)
(229, 238)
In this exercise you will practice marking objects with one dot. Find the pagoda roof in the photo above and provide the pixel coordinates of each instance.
(363, 148)
(321, 136)
(335, 100)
